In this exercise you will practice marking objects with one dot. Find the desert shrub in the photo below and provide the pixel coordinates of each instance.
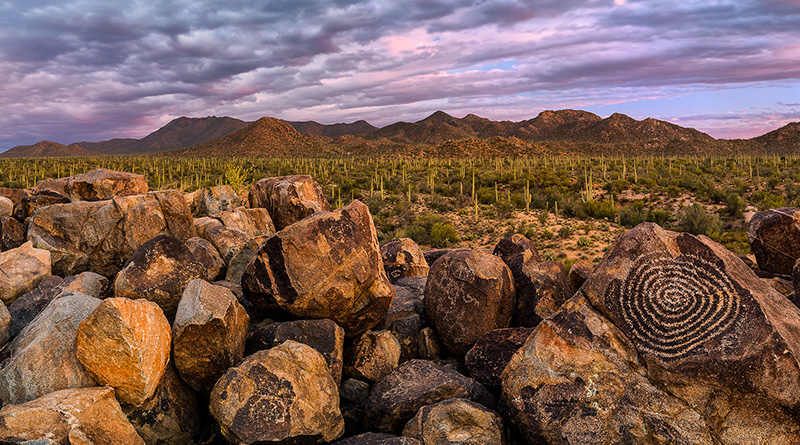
(771, 201)
(697, 220)
(433, 230)
(633, 214)
(734, 204)
(659, 216)
(565, 232)
(599, 209)
(443, 235)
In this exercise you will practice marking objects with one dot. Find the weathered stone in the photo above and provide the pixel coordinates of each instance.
(89, 283)
(416, 383)
(239, 262)
(774, 237)
(516, 244)
(70, 416)
(323, 335)
(57, 185)
(431, 255)
(282, 394)
(171, 416)
(207, 202)
(22, 269)
(468, 293)
(206, 254)
(708, 329)
(378, 439)
(6, 207)
(102, 184)
(409, 292)
(228, 241)
(159, 271)
(402, 257)
(372, 356)
(353, 396)
(30, 204)
(492, 352)
(428, 344)
(125, 344)
(209, 334)
(288, 199)
(180, 223)
(15, 195)
(201, 225)
(578, 274)
(12, 233)
(542, 288)
(456, 421)
(254, 222)
(5, 325)
(325, 266)
(407, 331)
(47, 343)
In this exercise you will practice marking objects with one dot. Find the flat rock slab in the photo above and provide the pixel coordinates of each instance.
(102, 184)
(456, 421)
(288, 199)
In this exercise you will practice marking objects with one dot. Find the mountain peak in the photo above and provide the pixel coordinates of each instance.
(439, 117)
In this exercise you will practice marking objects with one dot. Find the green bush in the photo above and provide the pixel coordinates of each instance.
(443, 235)
(697, 220)
(734, 204)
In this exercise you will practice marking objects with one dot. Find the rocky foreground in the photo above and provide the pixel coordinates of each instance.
(132, 316)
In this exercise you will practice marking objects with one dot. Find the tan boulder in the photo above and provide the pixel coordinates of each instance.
(456, 422)
(210, 201)
(5, 325)
(209, 334)
(102, 184)
(22, 269)
(206, 254)
(227, 240)
(372, 356)
(402, 258)
(325, 266)
(125, 344)
(70, 416)
(202, 224)
(254, 222)
(47, 343)
(288, 199)
(276, 395)
(6, 206)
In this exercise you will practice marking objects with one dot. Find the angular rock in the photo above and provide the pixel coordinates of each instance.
(228, 241)
(578, 274)
(102, 184)
(6, 207)
(12, 233)
(172, 415)
(202, 224)
(397, 397)
(208, 335)
(207, 202)
(159, 271)
(323, 335)
(428, 344)
(22, 269)
(254, 222)
(372, 356)
(774, 237)
(58, 185)
(282, 394)
(30, 204)
(492, 352)
(378, 439)
(206, 254)
(288, 199)
(353, 396)
(407, 332)
(402, 257)
(325, 266)
(180, 223)
(431, 255)
(239, 262)
(708, 329)
(468, 293)
(125, 344)
(5, 325)
(456, 421)
(15, 195)
(47, 343)
(542, 288)
(409, 292)
(76, 416)
(516, 244)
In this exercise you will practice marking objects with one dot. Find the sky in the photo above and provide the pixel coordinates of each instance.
(91, 70)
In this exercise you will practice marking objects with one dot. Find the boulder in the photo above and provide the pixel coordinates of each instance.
(125, 344)
(431, 255)
(323, 335)
(288, 199)
(353, 396)
(409, 292)
(75, 416)
(12, 233)
(516, 244)
(372, 356)
(202, 224)
(468, 293)
(378, 439)
(30, 204)
(207, 202)
(282, 394)
(5, 325)
(228, 241)
(774, 237)
(206, 254)
(492, 352)
(102, 184)
(577, 379)
(456, 421)
(325, 266)
(23, 269)
(58, 185)
(239, 262)
(579, 272)
(208, 335)
(47, 343)
(15, 195)
(407, 332)
(707, 328)
(542, 288)
(6, 207)
(428, 345)
(402, 257)
(101, 236)
(397, 397)
(159, 271)
(254, 222)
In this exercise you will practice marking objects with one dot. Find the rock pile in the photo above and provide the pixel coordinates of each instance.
(131, 316)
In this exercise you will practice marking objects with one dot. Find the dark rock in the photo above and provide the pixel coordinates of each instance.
(5, 325)
(15, 195)
(456, 421)
(492, 352)
(30, 204)
(578, 274)
(431, 255)
(409, 293)
(378, 439)
(12, 233)
(239, 262)
(228, 241)
(288, 199)
(428, 344)
(402, 257)
(516, 245)
(206, 254)
(353, 396)
(407, 331)
(774, 237)
(541, 289)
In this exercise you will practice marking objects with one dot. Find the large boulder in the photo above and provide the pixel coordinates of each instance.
(456, 422)
(707, 328)
(12, 233)
(206, 254)
(254, 222)
(516, 244)
(774, 237)
(208, 335)
(402, 258)
(23, 269)
(468, 293)
(102, 184)
(372, 356)
(47, 343)
(30, 204)
(125, 344)
(541, 288)
(70, 416)
(492, 352)
(325, 266)
(159, 271)
(282, 394)
(101, 236)
(6, 207)
(288, 199)
(207, 202)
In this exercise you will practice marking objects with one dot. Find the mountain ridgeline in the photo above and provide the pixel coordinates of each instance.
(440, 134)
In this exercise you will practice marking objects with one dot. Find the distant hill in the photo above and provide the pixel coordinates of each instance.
(781, 140)
(333, 131)
(46, 149)
(179, 133)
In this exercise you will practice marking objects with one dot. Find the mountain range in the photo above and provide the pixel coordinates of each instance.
(440, 134)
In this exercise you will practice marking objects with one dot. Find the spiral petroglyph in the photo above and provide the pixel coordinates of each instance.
(670, 306)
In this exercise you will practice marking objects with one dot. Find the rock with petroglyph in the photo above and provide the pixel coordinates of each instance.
(206, 254)
(542, 288)
(22, 269)
(402, 258)
(288, 199)
(12, 233)
(102, 184)
(492, 352)
(281, 395)
(456, 422)
(207, 202)
(774, 237)
(372, 356)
